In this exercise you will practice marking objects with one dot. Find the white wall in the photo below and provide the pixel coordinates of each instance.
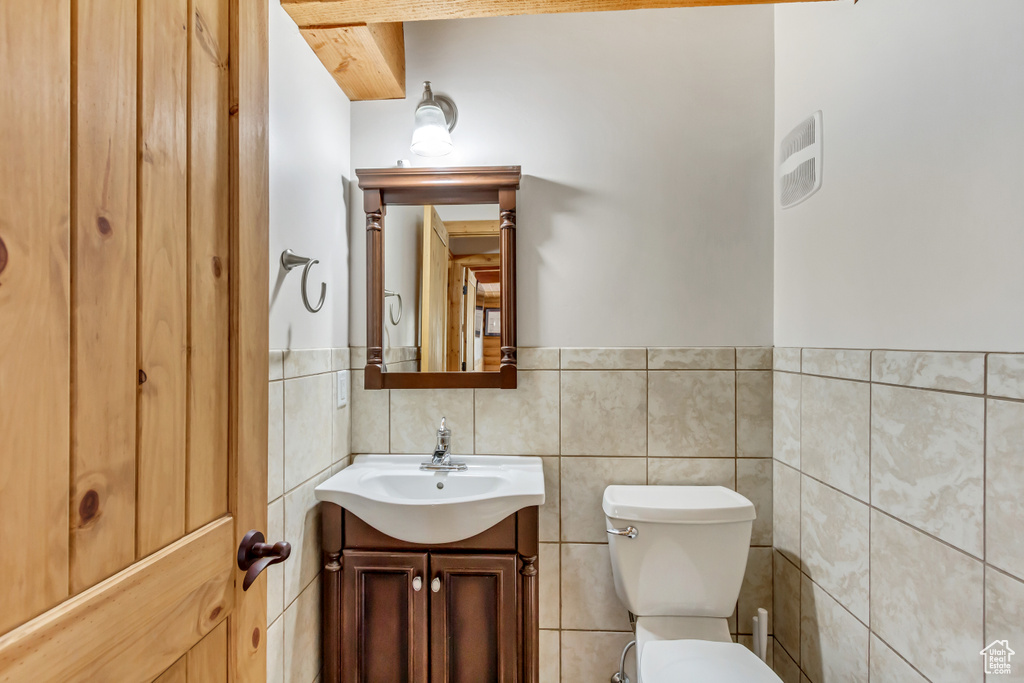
(403, 260)
(916, 239)
(645, 138)
(309, 164)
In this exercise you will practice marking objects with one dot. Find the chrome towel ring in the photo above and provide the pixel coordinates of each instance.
(391, 308)
(289, 260)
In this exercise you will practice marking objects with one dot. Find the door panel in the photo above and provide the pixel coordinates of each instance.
(454, 302)
(163, 273)
(104, 376)
(473, 619)
(209, 261)
(133, 387)
(177, 673)
(469, 323)
(135, 625)
(433, 292)
(385, 621)
(35, 306)
(207, 660)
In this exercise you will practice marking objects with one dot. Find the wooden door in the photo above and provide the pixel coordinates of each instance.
(385, 619)
(133, 352)
(473, 619)
(453, 332)
(492, 344)
(469, 324)
(434, 292)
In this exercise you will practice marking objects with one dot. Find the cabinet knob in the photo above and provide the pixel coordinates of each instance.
(417, 583)
(435, 585)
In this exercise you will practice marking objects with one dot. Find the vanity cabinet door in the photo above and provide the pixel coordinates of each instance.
(385, 621)
(473, 617)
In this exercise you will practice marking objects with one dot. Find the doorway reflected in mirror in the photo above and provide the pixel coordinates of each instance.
(446, 262)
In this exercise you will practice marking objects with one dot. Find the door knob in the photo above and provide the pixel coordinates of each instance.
(435, 585)
(255, 555)
(417, 583)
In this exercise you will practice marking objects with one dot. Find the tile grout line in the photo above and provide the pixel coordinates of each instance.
(735, 434)
(800, 518)
(897, 519)
(559, 536)
(897, 653)
(984, 509)
(871, 451)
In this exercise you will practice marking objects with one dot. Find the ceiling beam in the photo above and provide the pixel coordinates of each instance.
(309, 13)
(485, 228)
(366, 60)
(490, 276)
(478, 260)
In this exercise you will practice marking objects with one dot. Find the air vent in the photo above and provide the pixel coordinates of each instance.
(800, 162)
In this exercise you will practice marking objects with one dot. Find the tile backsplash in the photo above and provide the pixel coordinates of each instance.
(888, 487)
(601, 416)
(308, 441)
(898, 543)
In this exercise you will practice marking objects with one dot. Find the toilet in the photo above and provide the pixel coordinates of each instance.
(678, 556)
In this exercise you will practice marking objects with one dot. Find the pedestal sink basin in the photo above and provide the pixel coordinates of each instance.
(392, 494)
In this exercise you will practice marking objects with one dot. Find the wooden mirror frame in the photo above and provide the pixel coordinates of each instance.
(413, 186)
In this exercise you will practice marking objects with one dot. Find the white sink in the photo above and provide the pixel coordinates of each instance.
(392, 494)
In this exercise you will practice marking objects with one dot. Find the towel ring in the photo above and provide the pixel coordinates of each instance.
(391, 309)
(289, 260)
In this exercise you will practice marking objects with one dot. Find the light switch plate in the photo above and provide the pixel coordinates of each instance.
(342, 391)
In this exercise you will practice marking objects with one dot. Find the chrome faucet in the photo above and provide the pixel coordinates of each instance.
(442, 458)
(443, 449)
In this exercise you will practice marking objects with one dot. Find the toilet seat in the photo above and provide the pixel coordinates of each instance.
(686, 661)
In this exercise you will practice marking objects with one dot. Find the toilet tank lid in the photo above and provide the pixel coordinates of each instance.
(680, 504)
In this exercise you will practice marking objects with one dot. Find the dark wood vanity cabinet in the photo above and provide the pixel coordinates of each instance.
(398, 612)
(384, 621)
(473, 618)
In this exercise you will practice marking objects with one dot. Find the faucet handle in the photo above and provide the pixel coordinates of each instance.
(443, 429)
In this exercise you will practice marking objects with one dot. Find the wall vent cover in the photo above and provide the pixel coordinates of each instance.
(800, 162)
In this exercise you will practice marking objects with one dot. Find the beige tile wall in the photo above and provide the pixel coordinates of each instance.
(899, 514)
(599, 417)
(309, 440)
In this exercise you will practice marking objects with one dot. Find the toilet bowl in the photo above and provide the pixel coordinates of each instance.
(681, 661)
(678, 556)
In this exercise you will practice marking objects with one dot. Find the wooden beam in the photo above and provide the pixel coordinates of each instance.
(309, 13)
(488, 276)
(477, 260)
(488, 228)
(366, 60)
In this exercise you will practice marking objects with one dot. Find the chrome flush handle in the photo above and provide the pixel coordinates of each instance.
(628, 532)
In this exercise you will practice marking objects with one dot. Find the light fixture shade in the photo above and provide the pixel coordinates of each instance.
(431, 138)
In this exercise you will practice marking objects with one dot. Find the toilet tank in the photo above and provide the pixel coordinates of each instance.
(689, 553)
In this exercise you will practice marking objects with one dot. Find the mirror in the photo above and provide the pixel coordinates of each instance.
(441, 308)
(442, 286)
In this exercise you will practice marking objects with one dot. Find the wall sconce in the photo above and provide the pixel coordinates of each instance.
(436, 116)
